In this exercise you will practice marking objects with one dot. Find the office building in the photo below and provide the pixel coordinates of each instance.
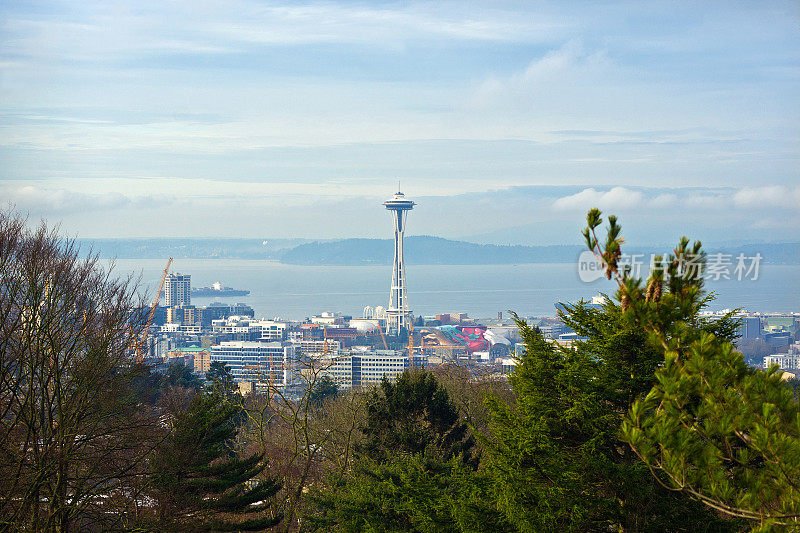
(263, 363)
(242, 328)
(750, 328)
(786, 361)
(360, 369)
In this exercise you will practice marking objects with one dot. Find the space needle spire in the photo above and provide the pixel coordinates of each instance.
(398, 314)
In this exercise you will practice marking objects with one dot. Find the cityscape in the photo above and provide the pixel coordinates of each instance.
(336, 266)
(384, 341)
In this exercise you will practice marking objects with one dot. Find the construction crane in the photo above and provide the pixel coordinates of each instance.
(142, 344)
(411, 341)
(383, 337)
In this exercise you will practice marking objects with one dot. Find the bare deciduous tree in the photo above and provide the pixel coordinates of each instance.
(73, 436)
(302, 436)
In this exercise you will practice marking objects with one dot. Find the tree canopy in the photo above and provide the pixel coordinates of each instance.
(721, 432)
(200, 483)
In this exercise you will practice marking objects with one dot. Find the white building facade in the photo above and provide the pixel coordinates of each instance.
(363, 369)
(267, 364)
(177, 290)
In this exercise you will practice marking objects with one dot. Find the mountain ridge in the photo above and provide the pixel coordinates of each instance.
(419, 249)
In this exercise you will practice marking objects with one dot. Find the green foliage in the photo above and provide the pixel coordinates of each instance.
(220, 379)
(200, 483)
(179, 375)
(408, 493)
(555, 457)
(723, 432)
(415, 471)
(712, 427)
(325, 388)
(415, 415)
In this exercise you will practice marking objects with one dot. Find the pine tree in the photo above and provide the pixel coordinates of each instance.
(721, 432)
(200, 484)
(325, 388)
(220, 380)
(557, 458)
(407, 493)
(415, 471)
(415, 415)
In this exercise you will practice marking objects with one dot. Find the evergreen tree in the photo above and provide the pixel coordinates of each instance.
(415, 415)
(200, 484)
(180, 375)
(415, 471)
(407, 493)
(324, 388)
(721, 432)
(557, 457)
(219, 379)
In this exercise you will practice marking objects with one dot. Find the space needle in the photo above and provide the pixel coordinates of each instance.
(398, 314)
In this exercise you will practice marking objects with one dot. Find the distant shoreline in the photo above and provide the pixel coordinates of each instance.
(419, 250)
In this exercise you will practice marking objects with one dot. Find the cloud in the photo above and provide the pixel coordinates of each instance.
(716, 198)
(60, 201)
(618, 197)
(98, 31)
(770, 196)
(664, 200)
(331, 23)
(568, 63)
(707, 201)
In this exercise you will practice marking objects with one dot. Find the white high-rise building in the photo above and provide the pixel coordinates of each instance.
(177, 290)
(398, 314)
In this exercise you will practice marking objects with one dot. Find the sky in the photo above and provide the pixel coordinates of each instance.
(504, 121)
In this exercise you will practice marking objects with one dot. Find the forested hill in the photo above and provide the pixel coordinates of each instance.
(188, 248)
(424, 250)
(438, 251)
(418, 250)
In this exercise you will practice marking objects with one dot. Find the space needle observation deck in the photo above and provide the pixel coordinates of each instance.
(398, 314)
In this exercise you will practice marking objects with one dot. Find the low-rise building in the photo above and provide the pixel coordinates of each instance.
(329, 318)
(785, 361)
(264, 363)
(244, 328)
(789, 361)
(357, 369)
(190, 356)
(316, 347)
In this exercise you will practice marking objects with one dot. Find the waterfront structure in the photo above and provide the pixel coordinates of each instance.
(398, 314)
(177, 290)
(272, 364)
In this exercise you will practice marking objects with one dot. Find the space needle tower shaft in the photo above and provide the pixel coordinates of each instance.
(398, 314)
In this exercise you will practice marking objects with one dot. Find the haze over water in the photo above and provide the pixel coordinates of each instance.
(295, 292)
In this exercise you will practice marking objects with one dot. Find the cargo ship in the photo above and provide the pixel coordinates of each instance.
(216, 289)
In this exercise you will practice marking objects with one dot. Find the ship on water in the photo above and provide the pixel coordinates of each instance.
(216, 289)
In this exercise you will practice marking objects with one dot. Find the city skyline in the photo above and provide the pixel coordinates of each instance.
(681, 117)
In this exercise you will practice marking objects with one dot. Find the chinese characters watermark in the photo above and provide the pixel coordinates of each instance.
(714, 267)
